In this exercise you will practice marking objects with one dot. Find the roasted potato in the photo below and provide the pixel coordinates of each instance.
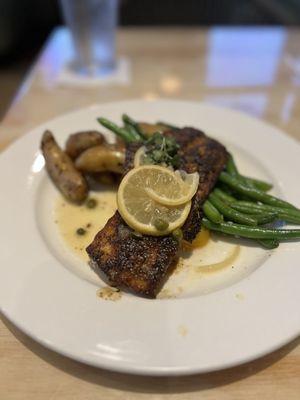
(150, 129)
(77, 143)
(62, 170)
(101, 158)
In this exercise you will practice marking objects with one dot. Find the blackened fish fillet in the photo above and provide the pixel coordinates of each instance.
(143, 264)
(138, 264)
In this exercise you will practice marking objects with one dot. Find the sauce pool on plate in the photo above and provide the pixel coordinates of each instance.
(78, 225)
(205, 258)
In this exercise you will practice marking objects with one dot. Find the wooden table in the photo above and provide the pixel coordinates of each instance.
(253, 70)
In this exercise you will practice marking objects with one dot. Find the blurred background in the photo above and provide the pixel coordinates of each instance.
(25, 25)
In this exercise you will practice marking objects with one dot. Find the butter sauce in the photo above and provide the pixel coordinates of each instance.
(201, 241)
(70, 218)
(227, 262)
(196, 260)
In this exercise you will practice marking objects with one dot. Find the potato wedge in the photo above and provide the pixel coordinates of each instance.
(101, 158)
(62, 170)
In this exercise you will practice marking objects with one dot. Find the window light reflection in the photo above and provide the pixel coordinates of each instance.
(170, 84)
(287, 107)
(150, 96)
(38, 164)
(251, 103)
(243, 57)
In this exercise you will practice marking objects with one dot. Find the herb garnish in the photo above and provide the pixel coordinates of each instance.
(162, 150)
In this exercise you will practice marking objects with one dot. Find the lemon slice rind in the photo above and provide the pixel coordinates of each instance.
(139, 210)
(188, 191)
(137, 157)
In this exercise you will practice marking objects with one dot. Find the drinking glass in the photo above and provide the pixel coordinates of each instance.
(92, 24)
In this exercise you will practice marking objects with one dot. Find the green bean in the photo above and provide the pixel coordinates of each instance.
(288, 218)
(212, 213)
(253, 193)
(127, 120)
(167, 125)
(229, 212)
(227, 198)
(265, 218)
(251, 182)
(268, 243)
(226, 189)
(287, 215)
(249, 210)
(231, 166)
(261, 216)
(252, 232)
(266, 207)
(256, 183)
(123, 133)
(132, 131)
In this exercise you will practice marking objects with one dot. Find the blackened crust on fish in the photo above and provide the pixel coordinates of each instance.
(140, 265)
(206, 156)
(131, 149)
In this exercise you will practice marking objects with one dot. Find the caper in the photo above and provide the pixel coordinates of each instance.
(91, 203)
(160, 224)
(80, 231)
(177, 234)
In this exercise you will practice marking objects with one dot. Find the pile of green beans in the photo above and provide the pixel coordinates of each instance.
(241, 206)
(238, 205)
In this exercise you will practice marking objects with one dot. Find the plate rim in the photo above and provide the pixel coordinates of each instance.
(148, 370)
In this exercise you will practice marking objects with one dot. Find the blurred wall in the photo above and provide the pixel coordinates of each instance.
(210, 12)
(24, 24)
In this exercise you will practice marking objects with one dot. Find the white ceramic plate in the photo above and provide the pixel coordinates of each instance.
(221, 320)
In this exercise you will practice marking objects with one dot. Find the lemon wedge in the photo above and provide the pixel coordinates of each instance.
(140, 211)
(175, 193)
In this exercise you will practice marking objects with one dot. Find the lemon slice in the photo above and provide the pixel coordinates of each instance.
(172, 194)
(140, 211)
(175, 193)
(139, 157)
